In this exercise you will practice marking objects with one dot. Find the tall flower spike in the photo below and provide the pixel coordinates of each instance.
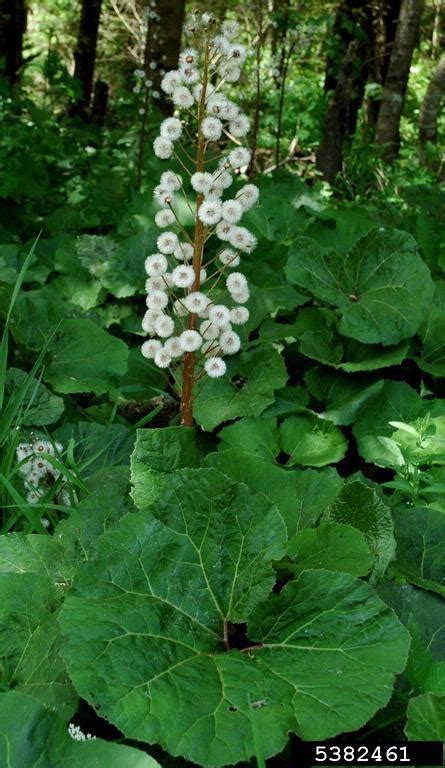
(184, 324)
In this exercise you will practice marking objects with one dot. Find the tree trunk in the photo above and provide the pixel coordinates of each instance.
(342, 111)
(164, 45)
(435, 38)
(396, 82)
(13, 15)
(350, 17)
(85, 54)
(431, 105)
(100, 103)
(385, 15)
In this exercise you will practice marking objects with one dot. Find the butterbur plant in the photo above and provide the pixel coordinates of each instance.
(196, 300)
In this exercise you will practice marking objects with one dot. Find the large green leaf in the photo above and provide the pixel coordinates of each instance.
(381, 287)
(423, 614)
(431, 357)
(31, 736)
(335, 547)
(99, 511)
(426, 718)
(255, 434)
(146, 630)
(300, 495)
(32, 585)
(420, 533)
(342, 395)
(340, 227)
(246, 390)
(41, 407)
(359, 505)
(85, 358)
(312, 441)
(396, 402)
(157, 453)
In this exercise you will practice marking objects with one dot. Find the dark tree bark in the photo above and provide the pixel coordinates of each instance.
(85, 54)
(352, 17)
(431, 106)
(100, 103)
(164, 44)
(342, 111)
(385, 15)
(13, 15)
(396, 82)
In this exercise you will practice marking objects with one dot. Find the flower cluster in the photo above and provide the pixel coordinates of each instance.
(75, 732)
(194, 301)
(39, 475)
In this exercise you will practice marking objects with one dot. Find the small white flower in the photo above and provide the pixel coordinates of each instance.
(232, 211)
(236, 282)
(230, 342)
(212, 128)
(215, 104)
(182, 97)
(164, 218)
(188, 56)
(197, 91)
(229, 110)
(183, 276)
(224, 230)
(162, 195)
(164, 326)
(189, 75)
(239, 157)
(201, 182)
(190, 341)
(183, 252)
(223, 178)
(229, 258)
(248, 196)
(215, 367)
(76, 734)
(239, 127)
(230, 29)
(215, 192)
(171, 181)
(148, 321)
(157, 300)
(239, 315)
(206, 18)
(202, 275)
(219, 314)
(163, 148)
(230, 71)
(171, 128)
(209, 330)
(162, 358)
(241, 296)
(173, 346)
(241, 238)
(179, 308)
(171, 81)
(210, 212)
(220, 44)
(167, 242)
(156, 264)
(237, 53)
(196, 302)
(150, 348)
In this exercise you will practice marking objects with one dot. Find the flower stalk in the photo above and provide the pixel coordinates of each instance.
(197, 331)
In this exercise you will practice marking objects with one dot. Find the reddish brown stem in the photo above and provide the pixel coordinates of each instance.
(188, 369)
